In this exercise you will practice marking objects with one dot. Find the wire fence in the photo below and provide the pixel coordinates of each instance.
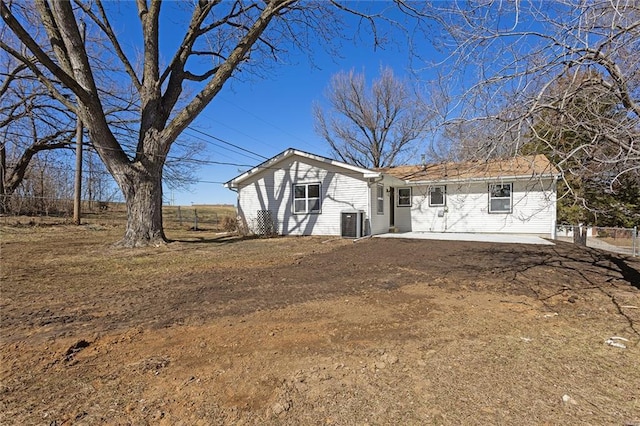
(615, 239)
(20, 209)
(200, 217)
(37, 206)
(37, 210)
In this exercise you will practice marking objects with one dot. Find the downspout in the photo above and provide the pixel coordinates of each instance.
(368, 207)
(237, 194)
(238, 214)
(238, 210)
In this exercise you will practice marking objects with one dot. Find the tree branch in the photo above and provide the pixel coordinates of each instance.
(103, 22)
(225, 70)
(201, 77)
(33, 46)
(29, 63)
(10, 77)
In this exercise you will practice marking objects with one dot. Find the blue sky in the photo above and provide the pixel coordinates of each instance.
(270, 112)
(269, 115)
(266, 117)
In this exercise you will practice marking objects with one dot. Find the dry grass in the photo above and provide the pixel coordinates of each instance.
(212, 329)
(620, 242)
(179, 221)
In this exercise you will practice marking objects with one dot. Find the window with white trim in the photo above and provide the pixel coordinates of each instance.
(437, 196)
(404, 197)
(500, 198)
(380, 198)
(306, 198)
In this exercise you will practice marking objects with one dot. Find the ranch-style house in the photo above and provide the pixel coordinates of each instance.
(298, 193)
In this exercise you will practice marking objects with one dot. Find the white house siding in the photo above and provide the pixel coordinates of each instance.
(272, 189)
(379, 223)
(404, 214)
(467, 209)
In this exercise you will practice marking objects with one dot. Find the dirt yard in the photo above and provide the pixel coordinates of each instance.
(211, 330)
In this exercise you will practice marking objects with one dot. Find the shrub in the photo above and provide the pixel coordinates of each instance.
(229, 224)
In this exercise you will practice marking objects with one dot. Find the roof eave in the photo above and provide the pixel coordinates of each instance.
(235, 182)
(372, 175)
(481, 179)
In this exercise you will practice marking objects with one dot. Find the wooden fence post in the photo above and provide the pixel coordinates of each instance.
(580, 235)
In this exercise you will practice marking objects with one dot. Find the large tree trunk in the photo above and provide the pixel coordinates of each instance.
(160, 91)
(143, 196)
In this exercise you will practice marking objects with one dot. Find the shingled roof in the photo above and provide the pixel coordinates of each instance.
(532, 166)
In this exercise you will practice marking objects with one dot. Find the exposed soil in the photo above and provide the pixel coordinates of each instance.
(314, 331)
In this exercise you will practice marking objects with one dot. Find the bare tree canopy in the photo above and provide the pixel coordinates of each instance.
(592, 191)
(219, 39)
(33, 122)
(503, 59)
(373, 126)
(507, 58)
(30, 122)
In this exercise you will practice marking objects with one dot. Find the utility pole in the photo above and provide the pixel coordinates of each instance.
(3, 165)
(77, 196)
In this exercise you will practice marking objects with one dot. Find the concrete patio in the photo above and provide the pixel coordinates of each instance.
(454, 236)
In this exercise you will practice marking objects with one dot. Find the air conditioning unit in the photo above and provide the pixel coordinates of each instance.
(352, 224)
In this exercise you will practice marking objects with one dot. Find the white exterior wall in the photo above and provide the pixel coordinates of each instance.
(272, 189)
(404, 214)
(467, 209)
(379, 222)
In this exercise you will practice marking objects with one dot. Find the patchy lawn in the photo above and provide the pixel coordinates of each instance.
(217, 330)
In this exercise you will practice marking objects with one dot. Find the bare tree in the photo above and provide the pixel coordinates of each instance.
(34, 123)
(591, 191)
(506, 59)
(375, 126)
(232, 36)
(31, 122)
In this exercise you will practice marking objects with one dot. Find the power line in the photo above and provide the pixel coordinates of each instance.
(230, 150)
(205, 162)
(266, 122)
(227, 143)
(218, 139)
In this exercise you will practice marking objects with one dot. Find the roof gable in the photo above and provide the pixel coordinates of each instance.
(290, 152)
(513, 167)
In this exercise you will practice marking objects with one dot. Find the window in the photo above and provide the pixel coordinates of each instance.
(380, 198)
(500, 198)
(436, 196)
(306, 198)
(404, 197)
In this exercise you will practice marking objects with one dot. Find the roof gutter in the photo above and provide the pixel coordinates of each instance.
(484, 179)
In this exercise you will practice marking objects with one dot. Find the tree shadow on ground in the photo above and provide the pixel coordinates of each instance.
(540, 271)
(222, 239)
(631, 274)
